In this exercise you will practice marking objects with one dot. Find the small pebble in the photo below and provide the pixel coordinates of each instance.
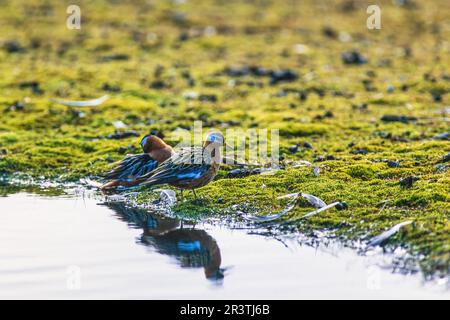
(123, 134)
(324, 158)
(361, 151)
(293, 148)
(408, 181)
(282, 75)
(328, 114)
(342, 206)
(393, 164)
(443, 136)
(437, 97)
(302, 96)
(239, 173)
(397, 118)
(12, 46)
(353, 57)
(446, 158)
(207, 98)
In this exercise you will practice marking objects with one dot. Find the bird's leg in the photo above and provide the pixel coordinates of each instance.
(182, 196)
(195, 195)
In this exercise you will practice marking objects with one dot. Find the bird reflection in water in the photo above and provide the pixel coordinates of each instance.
(192, 248)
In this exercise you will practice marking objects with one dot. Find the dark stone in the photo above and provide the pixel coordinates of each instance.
(329, 32)
(184, 36)
(302, 96)
(368, 85)
(123, 134)
(393, 164)
(342, 206)
(207, 98)
(244, 172)
(33, 85)
(446, 158)
(443, 136)
(109, 159)
(353, 57)
(437, 96)
(328, 114)
(283, 75)
(237, 71)
(348, 6)
(186, 74)
(123, 149)
(260, 71)
(17, 106)
(361, 151)
(307, 145)
(293, 148)
(397, 118)
(276, 76)
(111, 88)
(324, 158)
(158, 84)
(115, 57)
(13, 46)
(408, 181)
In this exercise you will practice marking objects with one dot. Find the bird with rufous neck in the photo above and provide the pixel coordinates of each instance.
(155, 150)
(190, 168)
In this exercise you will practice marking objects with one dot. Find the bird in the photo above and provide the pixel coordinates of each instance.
(155, 150)
(190, 168)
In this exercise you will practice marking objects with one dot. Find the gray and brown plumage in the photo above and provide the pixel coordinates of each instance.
(190, 168)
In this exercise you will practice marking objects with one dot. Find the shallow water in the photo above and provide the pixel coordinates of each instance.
(71, 247)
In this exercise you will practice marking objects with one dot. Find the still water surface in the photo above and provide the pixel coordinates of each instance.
(68, 247)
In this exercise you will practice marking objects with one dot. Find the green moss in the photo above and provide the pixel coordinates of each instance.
(362, 172)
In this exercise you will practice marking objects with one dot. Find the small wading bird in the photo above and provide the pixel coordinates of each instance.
(155, 150)
(190, 168)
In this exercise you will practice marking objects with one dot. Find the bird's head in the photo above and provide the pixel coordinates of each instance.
(152, 142)
(212, 147)
(215, 138)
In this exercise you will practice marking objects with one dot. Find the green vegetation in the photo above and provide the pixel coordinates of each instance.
(147, 55)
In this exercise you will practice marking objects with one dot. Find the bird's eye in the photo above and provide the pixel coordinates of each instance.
(215, 137)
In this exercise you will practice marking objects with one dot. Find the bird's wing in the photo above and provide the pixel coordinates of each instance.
(187, 164)
(132, 166)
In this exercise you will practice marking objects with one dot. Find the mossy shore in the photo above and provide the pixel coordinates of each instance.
(369, 107)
